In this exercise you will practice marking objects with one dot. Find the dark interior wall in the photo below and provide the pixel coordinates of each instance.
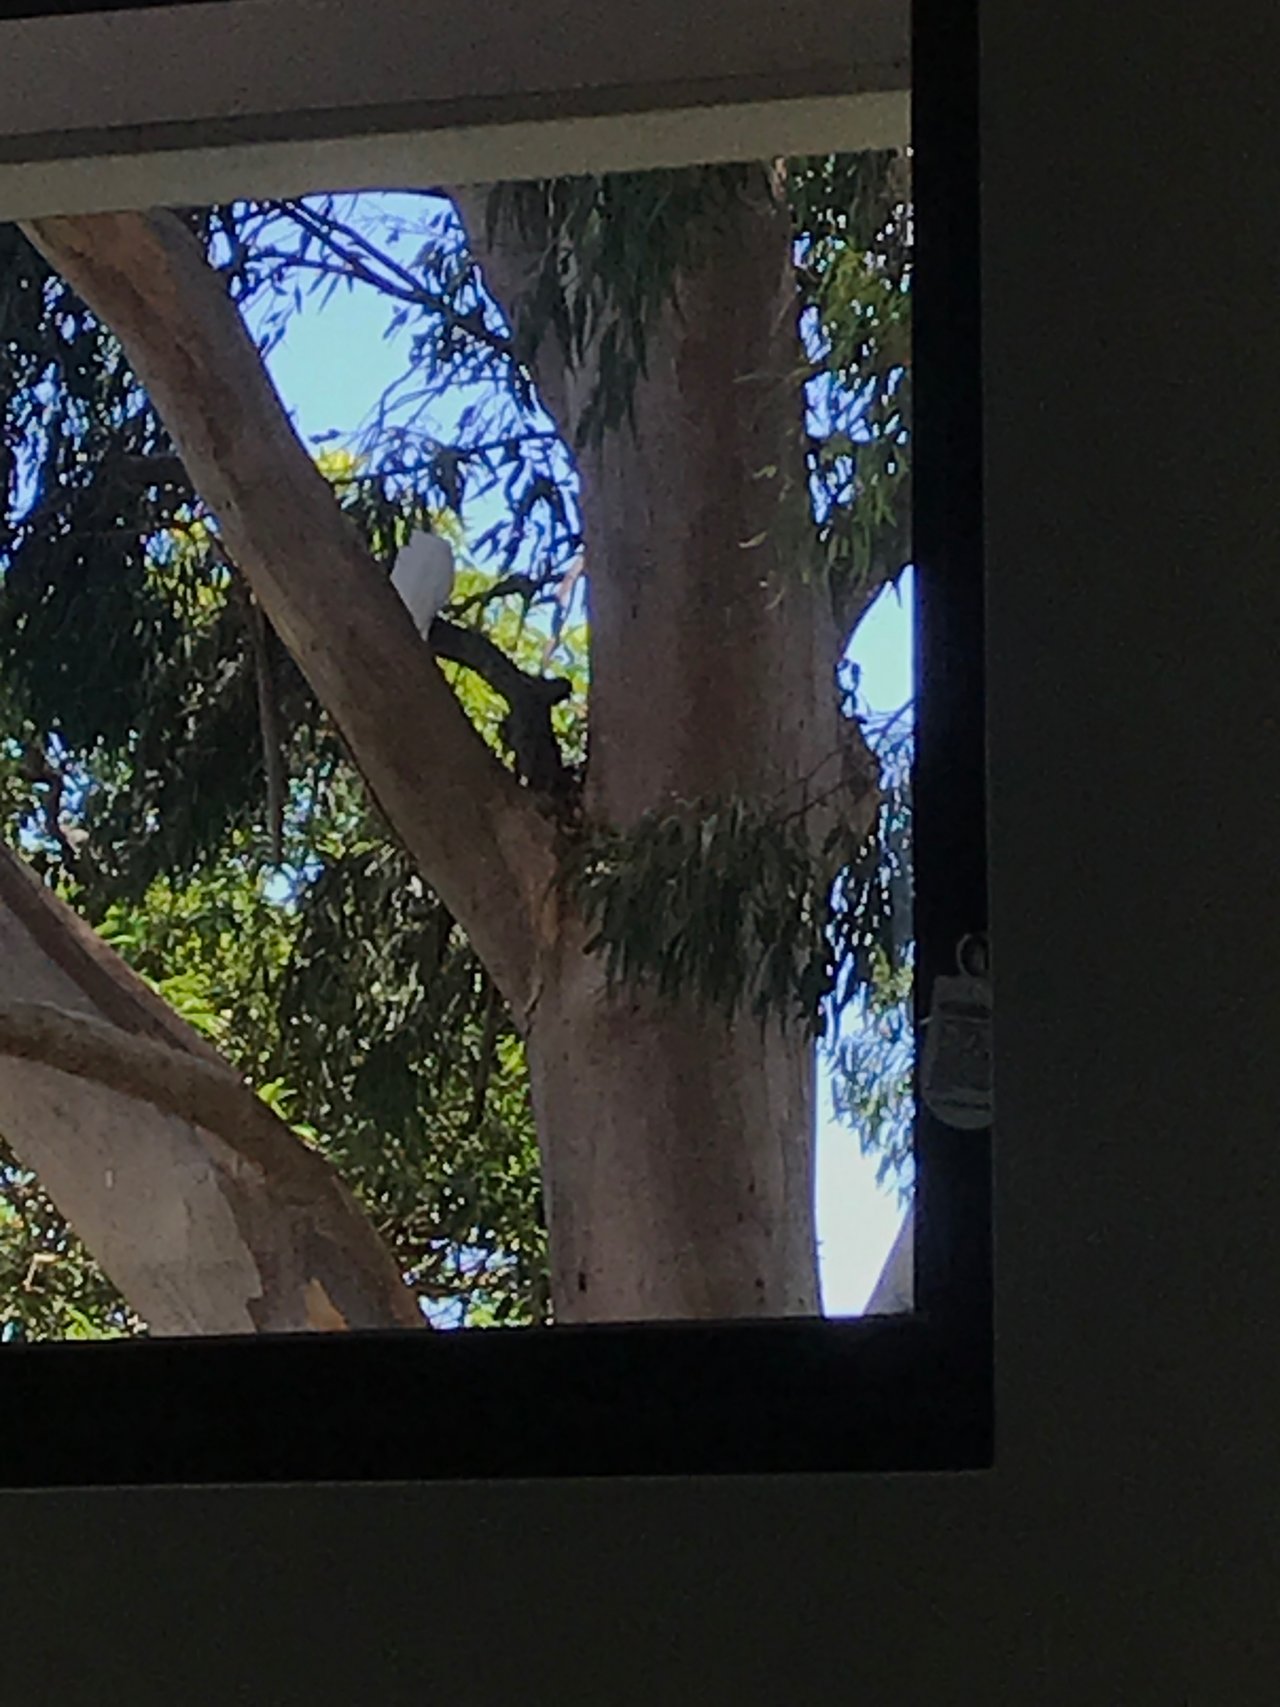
(1126, 1550)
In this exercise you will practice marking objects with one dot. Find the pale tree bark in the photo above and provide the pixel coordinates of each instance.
(677, 1149)
(198, 1202)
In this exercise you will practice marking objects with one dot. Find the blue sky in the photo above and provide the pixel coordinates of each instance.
(330, 369)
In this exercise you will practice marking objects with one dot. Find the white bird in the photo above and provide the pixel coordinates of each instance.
(423, 577)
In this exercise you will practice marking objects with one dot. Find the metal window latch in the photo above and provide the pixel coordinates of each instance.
(955, 1070)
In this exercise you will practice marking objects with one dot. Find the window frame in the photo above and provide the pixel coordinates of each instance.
(875, 1394)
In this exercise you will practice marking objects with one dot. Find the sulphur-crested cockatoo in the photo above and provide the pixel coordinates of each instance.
(423, 577)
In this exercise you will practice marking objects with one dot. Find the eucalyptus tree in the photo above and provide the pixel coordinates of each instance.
(603, 900)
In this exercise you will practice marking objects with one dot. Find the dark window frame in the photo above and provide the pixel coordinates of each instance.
(908, 1393)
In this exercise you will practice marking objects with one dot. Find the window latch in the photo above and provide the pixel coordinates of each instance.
(955, 1069)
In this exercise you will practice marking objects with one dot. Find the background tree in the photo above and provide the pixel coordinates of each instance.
(606, 403)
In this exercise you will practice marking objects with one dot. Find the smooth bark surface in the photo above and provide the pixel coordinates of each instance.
(677, 1156)
(678, 1150)
(201, 1205)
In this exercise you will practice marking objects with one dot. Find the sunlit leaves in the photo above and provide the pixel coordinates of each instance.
(853, 219)
(415, 1076)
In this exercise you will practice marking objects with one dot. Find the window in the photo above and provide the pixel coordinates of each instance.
(545, 367)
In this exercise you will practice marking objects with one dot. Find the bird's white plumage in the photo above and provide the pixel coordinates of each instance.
(423, 577)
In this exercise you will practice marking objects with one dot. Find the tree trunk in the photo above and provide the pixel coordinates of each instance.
(678, 1148)
(677, 1156)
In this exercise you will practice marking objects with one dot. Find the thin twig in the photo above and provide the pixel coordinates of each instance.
(407, 289)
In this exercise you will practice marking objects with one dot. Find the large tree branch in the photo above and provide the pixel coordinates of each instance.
(477, 836)
(205, 1209)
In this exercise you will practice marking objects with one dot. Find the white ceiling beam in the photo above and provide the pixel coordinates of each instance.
(198, 103)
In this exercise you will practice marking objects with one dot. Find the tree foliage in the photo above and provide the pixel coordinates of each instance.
(167, 768)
